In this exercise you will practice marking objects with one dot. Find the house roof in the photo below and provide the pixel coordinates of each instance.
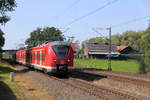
(120, 48)
(101, 48)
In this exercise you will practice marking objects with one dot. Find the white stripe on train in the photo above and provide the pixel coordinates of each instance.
(49, 68)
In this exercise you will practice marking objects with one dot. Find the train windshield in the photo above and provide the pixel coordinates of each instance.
(61, 51)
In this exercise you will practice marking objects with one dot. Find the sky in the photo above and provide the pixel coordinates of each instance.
(78, 16)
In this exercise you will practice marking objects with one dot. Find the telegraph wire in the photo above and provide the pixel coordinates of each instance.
(90, 13)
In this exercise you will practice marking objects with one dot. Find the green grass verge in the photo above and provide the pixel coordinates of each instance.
(8, 90)
(117, 65)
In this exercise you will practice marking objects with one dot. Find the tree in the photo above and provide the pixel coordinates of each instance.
(116, 39)
(130, 38)
(40, 36)
(97, 40)
(6, 6)
(144, 43)
(2, 41)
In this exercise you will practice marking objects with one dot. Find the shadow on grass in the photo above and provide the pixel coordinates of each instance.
(6, 93)
(4, 70)
(13, 63)
(10, 61)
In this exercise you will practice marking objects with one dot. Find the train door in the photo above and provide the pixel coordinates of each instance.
(33, 57)
(38, 57)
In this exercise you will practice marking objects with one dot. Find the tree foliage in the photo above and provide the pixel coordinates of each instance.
(97, 39)
(6, 6)
(40, 36)
(2, 41)
(116, 38)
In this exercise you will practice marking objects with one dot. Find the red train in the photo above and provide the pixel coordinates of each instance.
(54, 56)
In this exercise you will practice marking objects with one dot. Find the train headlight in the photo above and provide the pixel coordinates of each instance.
(69, 60)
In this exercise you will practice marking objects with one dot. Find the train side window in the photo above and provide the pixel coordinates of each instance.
(38, 57)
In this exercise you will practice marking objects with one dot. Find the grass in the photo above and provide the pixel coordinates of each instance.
(8, 90)
(117, 65)
(5, 70)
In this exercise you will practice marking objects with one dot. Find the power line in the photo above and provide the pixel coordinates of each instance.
(90, 13)
(130, 21)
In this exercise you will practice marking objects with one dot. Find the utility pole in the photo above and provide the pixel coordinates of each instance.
(109, 56)
(109, 52)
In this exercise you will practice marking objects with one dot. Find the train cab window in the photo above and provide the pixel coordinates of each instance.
(61, 51)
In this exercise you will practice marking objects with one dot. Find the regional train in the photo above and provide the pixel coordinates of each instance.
(54, 57)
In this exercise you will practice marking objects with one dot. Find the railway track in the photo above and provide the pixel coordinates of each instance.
(102, 96)
(120, 76)
(127, 74)
(100, 91)
(143, 76)
(116, 95)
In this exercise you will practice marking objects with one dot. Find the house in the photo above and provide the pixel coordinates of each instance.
(127, 52)
(99, 50)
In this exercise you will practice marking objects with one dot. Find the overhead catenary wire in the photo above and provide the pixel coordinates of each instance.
(73, 4)
(98, 32)
(64, 12)
(70, 7)
(129, 21)
(90, 13)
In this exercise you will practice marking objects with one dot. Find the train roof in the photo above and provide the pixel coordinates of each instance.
(60, 43)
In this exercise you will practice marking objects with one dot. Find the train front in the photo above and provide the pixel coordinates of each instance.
(62, 56)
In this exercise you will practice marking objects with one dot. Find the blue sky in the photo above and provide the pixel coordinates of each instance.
(31, 14)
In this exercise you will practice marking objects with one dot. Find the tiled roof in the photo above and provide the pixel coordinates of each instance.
(120, 48)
